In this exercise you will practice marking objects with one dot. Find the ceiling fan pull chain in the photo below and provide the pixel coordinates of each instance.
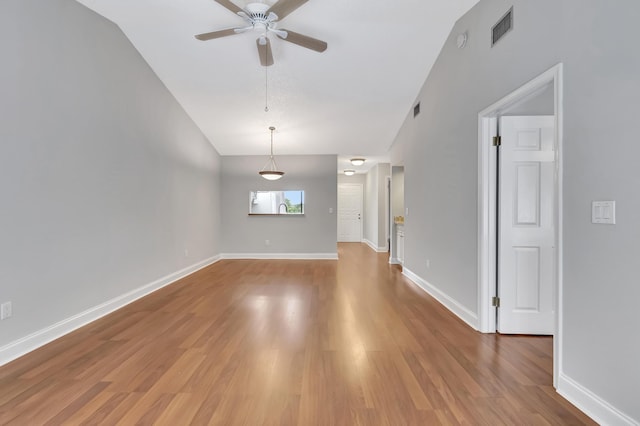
(266, 89)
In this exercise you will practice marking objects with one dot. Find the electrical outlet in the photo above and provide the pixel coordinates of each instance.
(5, 310)
(267, 242)
(186, 252)
(428, 263)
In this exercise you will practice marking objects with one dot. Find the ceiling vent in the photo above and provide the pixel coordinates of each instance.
(416, 110)
(502, 27)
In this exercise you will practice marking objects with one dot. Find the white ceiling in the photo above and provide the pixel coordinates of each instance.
(350, 100)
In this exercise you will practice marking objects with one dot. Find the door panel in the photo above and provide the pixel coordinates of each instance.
(526, 272)
(350, 196)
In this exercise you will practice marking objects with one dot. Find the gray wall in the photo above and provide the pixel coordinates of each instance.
(597, 43)
(375, 206)
(357, 178)
(540, 103)
(313, 233)
(104, 180)
(397, 191)
(370, 214)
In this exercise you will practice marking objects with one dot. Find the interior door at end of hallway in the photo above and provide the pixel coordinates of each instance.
(350, 197)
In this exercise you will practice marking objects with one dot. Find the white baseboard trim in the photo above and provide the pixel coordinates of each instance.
(591, 404)
(281, 256)
(394, 261)
(41, 337)
(448, 302)
(374, 247)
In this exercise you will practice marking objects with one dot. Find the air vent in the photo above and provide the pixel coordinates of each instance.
(416, 109)
(502, 27)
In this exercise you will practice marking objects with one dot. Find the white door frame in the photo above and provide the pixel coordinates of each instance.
(487, 204)
(387, 214)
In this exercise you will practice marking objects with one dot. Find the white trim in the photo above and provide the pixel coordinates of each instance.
(394, 261)
(388, 227)
(447, 301)
(592, 405)
(558, 99)
(486, 206)
(41, 337)
(281, 256)
(374, 247)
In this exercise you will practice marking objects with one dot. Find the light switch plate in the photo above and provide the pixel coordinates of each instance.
(603, 212)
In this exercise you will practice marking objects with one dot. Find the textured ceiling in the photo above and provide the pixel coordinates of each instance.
(349, 100)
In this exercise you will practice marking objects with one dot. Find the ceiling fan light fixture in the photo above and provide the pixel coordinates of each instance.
(349, 172)
(270, 170)
(357, 161)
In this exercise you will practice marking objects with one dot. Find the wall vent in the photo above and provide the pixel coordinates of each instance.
(502, 27)
(416, 109)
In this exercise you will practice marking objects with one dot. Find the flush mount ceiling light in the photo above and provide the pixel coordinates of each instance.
(349, 172)
(270, 170)
(357, 161)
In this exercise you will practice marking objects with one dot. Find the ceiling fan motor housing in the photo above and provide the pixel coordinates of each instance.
(257, 12)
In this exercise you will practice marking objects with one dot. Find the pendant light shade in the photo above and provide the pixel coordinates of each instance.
(270, 170)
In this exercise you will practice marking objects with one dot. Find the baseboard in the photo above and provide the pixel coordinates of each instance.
(394, 261)
(374, 247)
(592, 405)
(448, 302)
(281, 256)
(40, 338)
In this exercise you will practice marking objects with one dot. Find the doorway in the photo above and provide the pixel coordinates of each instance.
(490, 209)
(350, 201)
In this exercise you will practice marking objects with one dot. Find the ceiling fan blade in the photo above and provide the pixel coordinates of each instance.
(229, 5)
(284, 7)
(243, 29)
(279, 33)
(264, 51)
(305, 41)
(217, 34)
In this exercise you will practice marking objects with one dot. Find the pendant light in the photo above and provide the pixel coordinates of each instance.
(270, 170)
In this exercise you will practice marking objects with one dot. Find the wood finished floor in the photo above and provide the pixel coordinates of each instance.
(253, 342)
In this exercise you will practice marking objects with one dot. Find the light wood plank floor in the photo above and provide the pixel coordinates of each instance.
(250, 342)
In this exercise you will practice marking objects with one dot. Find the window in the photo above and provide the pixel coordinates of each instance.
(276, 202)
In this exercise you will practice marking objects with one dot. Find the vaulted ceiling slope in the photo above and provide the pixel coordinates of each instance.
(350, 99)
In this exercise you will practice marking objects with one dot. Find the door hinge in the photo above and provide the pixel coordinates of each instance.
(497, 141)
(495, 301)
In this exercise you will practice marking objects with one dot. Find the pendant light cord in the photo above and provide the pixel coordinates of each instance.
(271, 143)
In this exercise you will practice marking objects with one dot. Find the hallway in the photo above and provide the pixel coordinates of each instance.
(286, 343)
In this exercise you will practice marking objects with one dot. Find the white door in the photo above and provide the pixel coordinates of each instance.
(526, 228)
(350, 212)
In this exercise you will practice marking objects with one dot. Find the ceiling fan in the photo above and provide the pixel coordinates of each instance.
(265, 18)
